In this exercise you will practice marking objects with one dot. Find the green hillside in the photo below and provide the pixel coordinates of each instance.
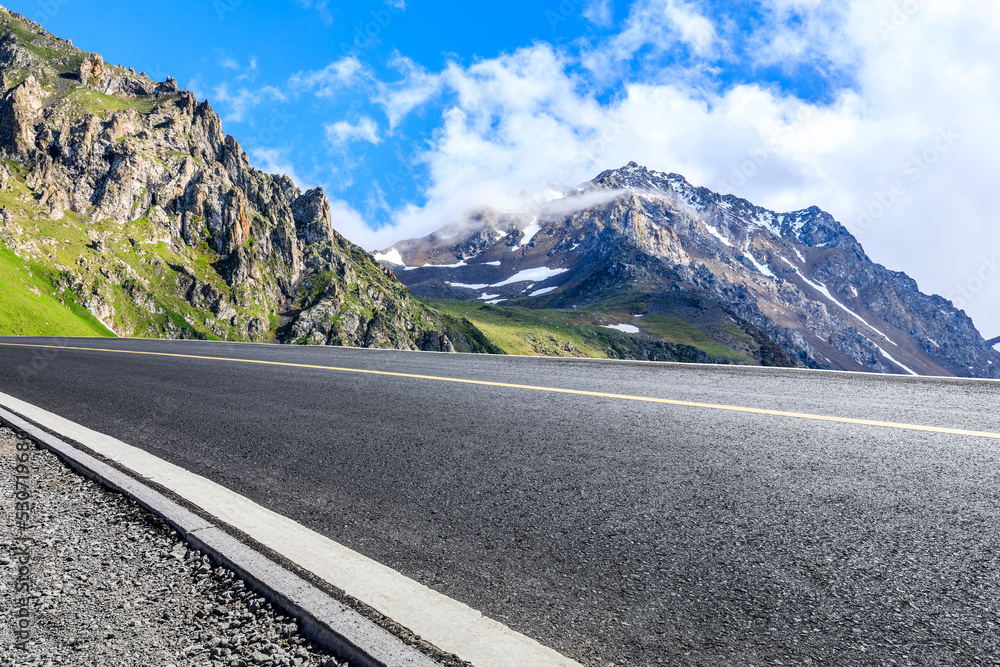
(584, 333)
(31, 306)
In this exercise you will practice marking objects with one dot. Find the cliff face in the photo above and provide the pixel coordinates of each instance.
(650, 245)
(127, 195)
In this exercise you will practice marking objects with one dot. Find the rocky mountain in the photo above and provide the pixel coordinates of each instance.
(125, 208)
(658, 259)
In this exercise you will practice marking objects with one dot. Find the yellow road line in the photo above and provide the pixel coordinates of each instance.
(553, 390)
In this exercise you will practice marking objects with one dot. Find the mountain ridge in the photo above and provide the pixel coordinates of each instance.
(122, 196)
(799, 278)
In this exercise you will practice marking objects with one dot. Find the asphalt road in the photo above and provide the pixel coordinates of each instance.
(614, 531)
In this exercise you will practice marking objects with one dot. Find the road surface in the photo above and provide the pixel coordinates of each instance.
(620, 531)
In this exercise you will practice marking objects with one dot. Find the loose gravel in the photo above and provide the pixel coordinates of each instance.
(111, 584)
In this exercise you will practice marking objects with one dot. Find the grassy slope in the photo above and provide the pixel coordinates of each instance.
(66, 243)
(30, 305)
(575, 333)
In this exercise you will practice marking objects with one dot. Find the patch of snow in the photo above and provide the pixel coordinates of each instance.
(530, 231)
(853, 291)
(487, 297)
(527, 276)
(715, 232)
(820, 287)
(760, 267)
(575, 246)
(798, 221)
(437, 266)
(767, 220)
(640, 315)
(495, 302)
(544, 290)
(531, 275)
(889, 356)
(392, 257)
(624, 328)
(935, 343)
(802, 258)
(491, 263)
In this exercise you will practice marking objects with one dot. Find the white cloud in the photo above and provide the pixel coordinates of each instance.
(244, 100)
(526, 119)
(353, 226)
(416, 88)
(342, 132)
(330, 80)
(250, 73)
(657, 26)
(599, 12)
(276, 161)
(694, 29)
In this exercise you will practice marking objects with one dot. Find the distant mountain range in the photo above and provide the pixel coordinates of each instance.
(661, 261)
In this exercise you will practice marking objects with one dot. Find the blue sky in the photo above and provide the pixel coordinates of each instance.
(243, 54)
(444, 107)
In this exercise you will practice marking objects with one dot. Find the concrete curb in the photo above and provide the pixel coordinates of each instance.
(324, 620)
(449, 628)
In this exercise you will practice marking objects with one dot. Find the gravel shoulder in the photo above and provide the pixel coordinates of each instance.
(100, 581)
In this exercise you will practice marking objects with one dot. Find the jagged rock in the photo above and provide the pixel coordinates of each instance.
(91, 69)
(311, 213)
(18, 111)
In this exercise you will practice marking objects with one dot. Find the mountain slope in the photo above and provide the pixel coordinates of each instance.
(129, 201)
(647, 248)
